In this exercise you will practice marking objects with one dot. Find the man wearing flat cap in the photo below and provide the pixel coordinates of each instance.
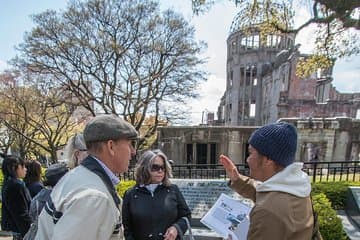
(277, 185)
(84, 203)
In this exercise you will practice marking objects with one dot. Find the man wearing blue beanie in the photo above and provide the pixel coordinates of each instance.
(277, 185)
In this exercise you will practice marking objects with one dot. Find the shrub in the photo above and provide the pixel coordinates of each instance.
(123, 186)
(336, 192)
(330, 224)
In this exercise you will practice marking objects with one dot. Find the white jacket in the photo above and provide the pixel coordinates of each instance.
(89, 211)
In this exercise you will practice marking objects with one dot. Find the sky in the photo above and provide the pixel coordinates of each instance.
(211, 27)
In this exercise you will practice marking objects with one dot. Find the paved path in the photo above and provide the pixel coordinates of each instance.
(350, 228)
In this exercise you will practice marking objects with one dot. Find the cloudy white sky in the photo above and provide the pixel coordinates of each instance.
(212, 27)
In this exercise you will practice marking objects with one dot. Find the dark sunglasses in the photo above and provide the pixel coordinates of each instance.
(156, 168)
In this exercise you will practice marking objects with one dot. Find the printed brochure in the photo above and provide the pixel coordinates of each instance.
(228, 217)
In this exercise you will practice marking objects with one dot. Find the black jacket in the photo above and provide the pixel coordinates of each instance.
(34, 188)
(15, 206)
(147, 216)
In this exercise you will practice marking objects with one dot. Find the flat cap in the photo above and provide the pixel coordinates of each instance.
(108, 127)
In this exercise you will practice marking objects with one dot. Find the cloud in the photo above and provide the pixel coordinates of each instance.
(346, 74)
(210, 93)
(347, 81)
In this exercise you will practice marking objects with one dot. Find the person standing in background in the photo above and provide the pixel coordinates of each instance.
(52, 175)
(15, 197)
(75, 150)
(33, 177)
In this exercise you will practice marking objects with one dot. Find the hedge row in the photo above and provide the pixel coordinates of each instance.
(330, 224)
(336, 192)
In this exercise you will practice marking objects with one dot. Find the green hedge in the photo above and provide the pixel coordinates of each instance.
(123, 186)
(335, 191)
(330, 224)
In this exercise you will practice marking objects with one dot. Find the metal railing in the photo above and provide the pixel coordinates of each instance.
(317, 171)
(333, 171)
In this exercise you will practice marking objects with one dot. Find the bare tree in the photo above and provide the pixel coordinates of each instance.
(40, 119)
(119, 57)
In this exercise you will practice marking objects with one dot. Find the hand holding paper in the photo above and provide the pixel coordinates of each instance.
(228, 217)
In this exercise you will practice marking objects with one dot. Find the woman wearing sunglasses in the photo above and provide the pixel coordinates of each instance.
(154, 208)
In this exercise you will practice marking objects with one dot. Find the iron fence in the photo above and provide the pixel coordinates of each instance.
(317, 171)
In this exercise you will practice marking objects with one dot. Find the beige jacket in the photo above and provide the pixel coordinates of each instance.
(282, 208)
(89, 211)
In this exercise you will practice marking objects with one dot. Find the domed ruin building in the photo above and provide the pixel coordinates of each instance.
(262, 87)
(261, 84)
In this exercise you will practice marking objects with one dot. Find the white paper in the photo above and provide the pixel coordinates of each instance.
(228, 216)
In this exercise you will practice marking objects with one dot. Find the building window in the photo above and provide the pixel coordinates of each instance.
(358, 114)
(213, 159)
(318, 73)
(201, 153)
(231, 78)
(243, 42)
(268, 40)
(320, 93)
(256, 41)
(233, 46)
(189, 153)
(252, 109)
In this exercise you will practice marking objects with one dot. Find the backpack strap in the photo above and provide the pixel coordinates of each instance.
(92, 165)
(51, 210)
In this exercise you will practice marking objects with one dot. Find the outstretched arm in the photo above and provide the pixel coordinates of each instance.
(230, 168)
(241, 184)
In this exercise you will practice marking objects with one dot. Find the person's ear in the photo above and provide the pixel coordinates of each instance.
(268, 162)
(275, 166)
(76, 153)
(110, 147)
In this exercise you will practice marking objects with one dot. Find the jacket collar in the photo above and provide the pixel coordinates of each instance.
(291, 180)
(92, 165)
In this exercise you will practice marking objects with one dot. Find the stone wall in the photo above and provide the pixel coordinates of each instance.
(319, 139)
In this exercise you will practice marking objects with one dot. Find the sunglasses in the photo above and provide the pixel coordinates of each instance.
(156, 168)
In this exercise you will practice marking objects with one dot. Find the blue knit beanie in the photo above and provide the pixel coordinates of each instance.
(276, 141)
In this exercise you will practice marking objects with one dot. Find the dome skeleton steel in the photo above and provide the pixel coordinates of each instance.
(254, 20)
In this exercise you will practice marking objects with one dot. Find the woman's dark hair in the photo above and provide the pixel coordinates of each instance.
(33, 173)
(10, 164)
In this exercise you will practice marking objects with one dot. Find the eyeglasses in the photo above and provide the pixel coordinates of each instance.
(156, 168)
